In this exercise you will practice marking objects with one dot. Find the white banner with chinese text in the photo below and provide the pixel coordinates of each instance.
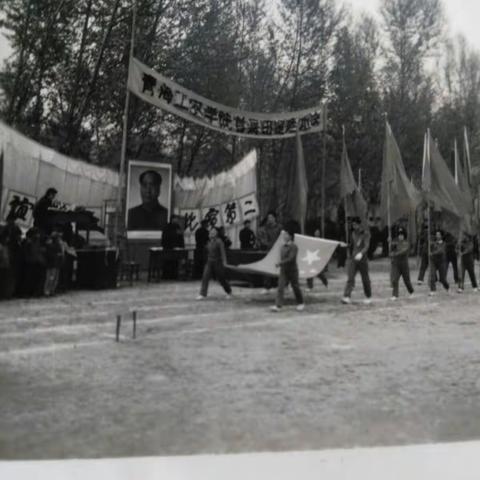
(154, 88)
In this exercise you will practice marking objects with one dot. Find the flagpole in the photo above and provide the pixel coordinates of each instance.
(389, 219)
(345, 203)
(428, 214)
(456, 158)
(121, 177)
(324, 161)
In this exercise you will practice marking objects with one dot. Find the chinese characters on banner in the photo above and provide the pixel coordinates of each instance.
(249, 207)
(19, 207)
(162, 92)
(191, 218)
(212, 215)
(228, 214)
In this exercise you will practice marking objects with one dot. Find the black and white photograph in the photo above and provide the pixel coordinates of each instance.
(148, 198)
(239, 239)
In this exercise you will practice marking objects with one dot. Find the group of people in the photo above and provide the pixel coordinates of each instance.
(434, 250)
(39, 263)
(268, 234)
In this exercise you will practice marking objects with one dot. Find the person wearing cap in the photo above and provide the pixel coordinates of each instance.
(467, 262)
(400, 268)
(288, 272)
(358, 248)
(438, 263)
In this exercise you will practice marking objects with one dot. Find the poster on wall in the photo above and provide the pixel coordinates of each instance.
(149, 199)
(19, 207)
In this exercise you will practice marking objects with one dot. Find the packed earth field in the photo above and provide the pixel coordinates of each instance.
(222, 375)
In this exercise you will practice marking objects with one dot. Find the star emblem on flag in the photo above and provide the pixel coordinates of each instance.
(311, 257)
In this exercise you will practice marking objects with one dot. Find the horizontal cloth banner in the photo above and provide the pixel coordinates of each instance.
(228, 214)
(162, 92)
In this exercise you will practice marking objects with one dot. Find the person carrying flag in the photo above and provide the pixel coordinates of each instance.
(438, 263)
(467, 262)
(288, 272)
(358, 248)
(399, 254)
(216, 260)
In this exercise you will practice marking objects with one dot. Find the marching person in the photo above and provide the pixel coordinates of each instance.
(215, 265)
(451, 245)
(201, 242)
(438, 263)
(467, 262)
(288, 272)
(400, 267)
(423, 253)
(358, 247)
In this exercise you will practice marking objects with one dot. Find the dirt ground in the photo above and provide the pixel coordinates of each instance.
(229, 376)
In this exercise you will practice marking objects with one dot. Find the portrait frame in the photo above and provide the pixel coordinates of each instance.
(134, 200)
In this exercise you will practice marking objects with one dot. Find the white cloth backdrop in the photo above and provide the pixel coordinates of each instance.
(238, 182)
(30, 168)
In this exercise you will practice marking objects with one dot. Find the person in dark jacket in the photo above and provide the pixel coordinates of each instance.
(451, 255)
(438, 261)
(201, 241)
(288, 272)
(40, 211)
(247, 237)
(215, 265)
(400, 249)
(467, 262)
(423, 253)
(359, 242)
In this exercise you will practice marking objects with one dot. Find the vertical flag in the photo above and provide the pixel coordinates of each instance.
(355, 203)
(298, 188)
(398, 196)
(441, 190)
(426, 168)
(461, 177)
(467, 160)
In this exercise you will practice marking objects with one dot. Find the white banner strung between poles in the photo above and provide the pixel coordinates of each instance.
(162, 92)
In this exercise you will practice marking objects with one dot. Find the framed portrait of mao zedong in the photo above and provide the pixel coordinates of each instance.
(149, 199)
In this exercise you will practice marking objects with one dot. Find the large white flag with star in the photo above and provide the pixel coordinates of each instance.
(313, 255)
